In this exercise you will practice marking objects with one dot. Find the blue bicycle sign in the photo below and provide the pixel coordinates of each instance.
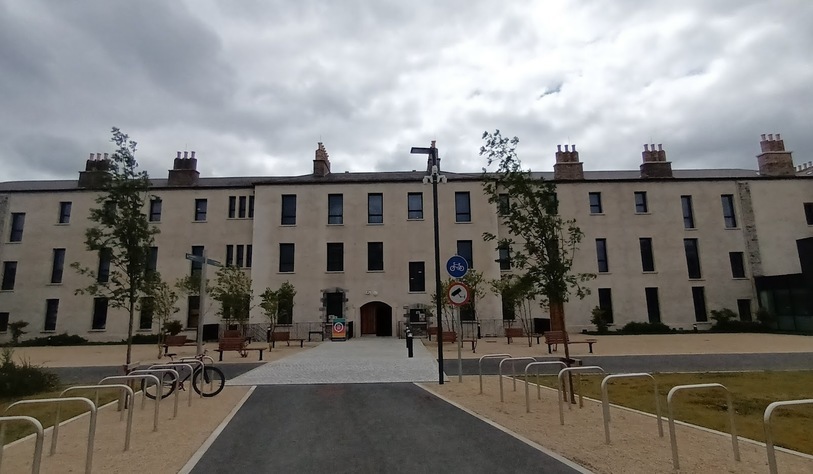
(457, 266)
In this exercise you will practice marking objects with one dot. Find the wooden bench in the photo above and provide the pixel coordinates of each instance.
(554, 338)
(176, 341)
(511, 333)
(286, 337)
(236, 344)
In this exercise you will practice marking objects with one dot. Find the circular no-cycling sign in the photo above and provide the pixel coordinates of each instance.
(458, 293)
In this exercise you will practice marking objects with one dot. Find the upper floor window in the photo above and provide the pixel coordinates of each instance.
(692, 257)
(601, 256)
(152, 261)
(375, 256)
(17, 224)
(103, 275)
(9, 275)
(647, 259)
(155, 209)
(65, 212)
(809, 213)
(462, 206)
(251, 207)
(375, 208)
(641, 206)
(688, 212)
(286, 258)
(335, 257)
(51, 312)
(414, 205)
(503, 204)
(196, 267)
(147, 313)
(58, 266)
(200, 209)
(465, 249)
(505, 257)
(4, 322)
(595, 203)
(288, 209)
(728, 211)
(99, 313)
(335, 209)
(238, 207)
(239, 255)
(737, 264)
(232, 206)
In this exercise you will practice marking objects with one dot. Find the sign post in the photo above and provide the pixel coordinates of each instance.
(204, 262)
(459, 295)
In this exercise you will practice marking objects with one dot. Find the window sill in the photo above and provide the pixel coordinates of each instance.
(417, 292)
(697, 279)
(732, 228)
(14, 242)
(7, 291)
(97, 330)
(690, 229)
(505, 270)
(154, 222)
(462, 222)
(653, 272)
(596, 213)
(62, 224)
(421, 219)
(48, 331)
(142, 331)
(238, 218)
(603, 273)
(334, 271)
(375, 223)
(286, 273)
(54, 284)
(643, 213)
(199, 222)
(740, 278)
(375, 271)
(287, 225)
(335, 225)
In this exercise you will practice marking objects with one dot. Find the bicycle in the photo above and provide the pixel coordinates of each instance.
(209, 378)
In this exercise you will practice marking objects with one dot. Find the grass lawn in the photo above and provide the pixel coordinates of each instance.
(46, 413)
(751, 392)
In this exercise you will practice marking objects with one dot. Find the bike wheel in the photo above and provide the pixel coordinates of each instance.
(209, 381)
(169, 386)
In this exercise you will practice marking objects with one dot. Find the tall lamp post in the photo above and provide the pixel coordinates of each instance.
(434, 178)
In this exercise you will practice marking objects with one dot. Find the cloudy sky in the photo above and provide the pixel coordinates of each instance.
(252, 86)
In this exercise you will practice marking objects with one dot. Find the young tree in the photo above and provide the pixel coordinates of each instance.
(232, 290)
(517, 292)
(476, 282)
(121, 233)
(278, 304)
(163, 300)
(541, 244)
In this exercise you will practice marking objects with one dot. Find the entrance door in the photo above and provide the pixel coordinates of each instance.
(376, 318)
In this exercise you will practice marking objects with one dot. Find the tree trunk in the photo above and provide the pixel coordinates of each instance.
(130, 332)
(557, 323)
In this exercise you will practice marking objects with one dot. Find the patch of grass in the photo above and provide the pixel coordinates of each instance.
(751, 393)
(46, 414)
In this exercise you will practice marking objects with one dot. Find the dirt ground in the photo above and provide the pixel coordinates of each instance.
(635, 448)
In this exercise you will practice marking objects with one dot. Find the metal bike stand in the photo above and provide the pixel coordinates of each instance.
(561, 384)
(143, 378)
(672, 438)
(538, 386)
(160, 393)
(179, 364)
(192, 360)
(204, 356)
(124, 388)
(513, 371)
(766, 419)
(35, 466)
(605, 400)
(59, 402)
(480, 365)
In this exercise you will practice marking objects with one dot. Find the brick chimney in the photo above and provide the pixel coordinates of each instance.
(567, 166)
(321, 164)
(184, 170)
(655, 164)
(774, 160)
(96, 173)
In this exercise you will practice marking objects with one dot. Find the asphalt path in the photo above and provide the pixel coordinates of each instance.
(360, 428)
(659, 363)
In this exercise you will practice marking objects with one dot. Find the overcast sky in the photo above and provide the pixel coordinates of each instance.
(252, 86)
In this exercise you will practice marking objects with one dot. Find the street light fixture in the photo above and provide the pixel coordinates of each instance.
(434, 178)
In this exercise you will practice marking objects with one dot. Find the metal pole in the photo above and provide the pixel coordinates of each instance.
(437, 262)
(201, 299)
(459, 347)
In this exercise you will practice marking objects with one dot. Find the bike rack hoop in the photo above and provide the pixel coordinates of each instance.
(605, 400)
(160, 391)
(35, 466)
(128, 392)
(561, 383)
(699, 386)
(480, 365)
(58, 402)
(513, 371)
(144, 378)
(169, 365)
(766, 419)
(538, 387)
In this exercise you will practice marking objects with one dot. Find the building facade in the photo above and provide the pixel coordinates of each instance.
(664, 245)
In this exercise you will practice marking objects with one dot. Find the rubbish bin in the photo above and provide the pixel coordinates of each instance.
(541, 325)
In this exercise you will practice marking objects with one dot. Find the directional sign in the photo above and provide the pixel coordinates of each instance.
(199, 259)
(458, 293)
(457, 266)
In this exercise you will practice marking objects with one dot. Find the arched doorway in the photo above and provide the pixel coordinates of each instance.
(376, 319)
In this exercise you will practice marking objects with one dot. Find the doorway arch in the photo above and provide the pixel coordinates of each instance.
(376, 319)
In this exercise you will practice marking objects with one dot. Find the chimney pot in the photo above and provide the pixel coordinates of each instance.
(763, 136)
(566, 148)
(646, 147)
(98, 156)
(185, 155)
(91, 157)
(178, 156)
(105, 156)
(660, 146)
(770, 136)
(433, 144)
(778, 137)
(809, 164)
(574, 147)
(193, 155)
(558, 147)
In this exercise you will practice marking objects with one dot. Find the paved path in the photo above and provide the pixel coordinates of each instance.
(361, 360)
(354, 428)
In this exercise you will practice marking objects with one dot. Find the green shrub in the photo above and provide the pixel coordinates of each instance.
(600, 319)
(736, 325)
(634, 327)
(63, 339)
(144, 339)
(173, 327)
(24, 379)
(16, 329)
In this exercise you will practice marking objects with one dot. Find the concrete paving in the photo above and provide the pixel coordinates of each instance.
(359, 360)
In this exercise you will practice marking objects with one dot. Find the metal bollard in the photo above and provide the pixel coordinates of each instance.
(409, 344)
